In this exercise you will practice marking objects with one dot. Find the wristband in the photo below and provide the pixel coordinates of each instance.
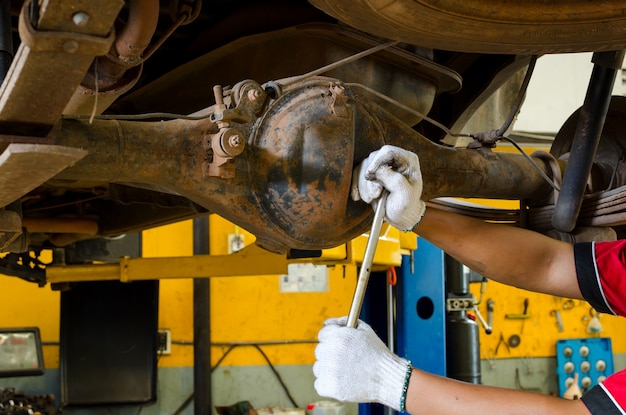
(405, 386)
(418, 222)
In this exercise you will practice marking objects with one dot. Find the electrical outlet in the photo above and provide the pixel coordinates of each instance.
(235, 242)
(164, 345)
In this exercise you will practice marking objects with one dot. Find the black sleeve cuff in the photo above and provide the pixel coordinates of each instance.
(599, 402)
(588, 278)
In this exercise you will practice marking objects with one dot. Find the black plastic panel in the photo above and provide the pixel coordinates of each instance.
(108, 346)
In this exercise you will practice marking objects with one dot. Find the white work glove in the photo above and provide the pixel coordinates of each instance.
(398, 171)
(354, 365)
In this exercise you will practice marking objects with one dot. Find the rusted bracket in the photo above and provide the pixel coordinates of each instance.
(52, 60)
(248, 98)
(221, 149)
(68, 42)
(26, 166)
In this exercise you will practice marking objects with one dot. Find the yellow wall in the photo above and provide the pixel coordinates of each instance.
(244, 309)
(175, 296)
(24, 304)
(253, 309)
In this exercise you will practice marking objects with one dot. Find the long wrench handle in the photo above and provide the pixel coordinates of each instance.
(368, 259)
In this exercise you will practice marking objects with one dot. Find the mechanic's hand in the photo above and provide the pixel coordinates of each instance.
(354, 365)
(398, 171)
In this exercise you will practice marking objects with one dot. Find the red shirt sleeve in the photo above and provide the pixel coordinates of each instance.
(609, 397)
(601, 272)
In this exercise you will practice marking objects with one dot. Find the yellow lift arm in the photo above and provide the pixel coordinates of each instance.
(249, 261)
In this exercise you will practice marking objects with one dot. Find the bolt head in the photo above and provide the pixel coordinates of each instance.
(70, 46)
(234, 140)
(253, 94)
(80, 19)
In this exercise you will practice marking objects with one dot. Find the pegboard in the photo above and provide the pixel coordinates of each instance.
(592, 359)
(537, 335)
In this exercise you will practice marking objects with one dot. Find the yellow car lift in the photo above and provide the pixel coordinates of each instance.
(251, 260)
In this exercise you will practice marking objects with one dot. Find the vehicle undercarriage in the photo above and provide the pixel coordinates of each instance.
(120, 116)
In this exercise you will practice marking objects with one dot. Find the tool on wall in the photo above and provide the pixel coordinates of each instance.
(504, 342)
(568, 304)
(559, 319)
(368, 259)
(487, 325)
(594, 326)
(573, 391)
(514, 340)
(490, 305)
(523, 316)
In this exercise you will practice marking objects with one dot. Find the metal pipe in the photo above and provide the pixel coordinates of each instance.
(368, 260)
(64, 230)
(299, 193)
(456, 172)
(60, 225)
(391, 316)
(117, 72)
(201, 324)
(462, 337)
(169, 155)
(457, 281)
(391, 326)
(64, 239)
(130, 43)
(586, 139)
(135, 36)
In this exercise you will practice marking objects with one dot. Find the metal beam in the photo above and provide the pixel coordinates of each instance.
(251, 260)
(52, 60)
(23, 167)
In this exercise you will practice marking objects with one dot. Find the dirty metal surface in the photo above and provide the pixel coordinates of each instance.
(291, 186)
(501, 26)
(399, 74)
(59, 54)
(303, 154)
(23, 167)
(298, 165)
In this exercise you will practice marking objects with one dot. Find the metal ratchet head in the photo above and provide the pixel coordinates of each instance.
(368, 259)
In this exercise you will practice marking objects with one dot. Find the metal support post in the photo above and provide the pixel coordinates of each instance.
(201, 324)
(586, 139)
(462, 338)
(421, 309)
(391, 322)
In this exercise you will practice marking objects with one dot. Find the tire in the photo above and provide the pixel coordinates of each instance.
(507, 27)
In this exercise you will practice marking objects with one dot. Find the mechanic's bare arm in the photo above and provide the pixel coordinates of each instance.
(436, 395)
(507, 254)
(504, 253)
